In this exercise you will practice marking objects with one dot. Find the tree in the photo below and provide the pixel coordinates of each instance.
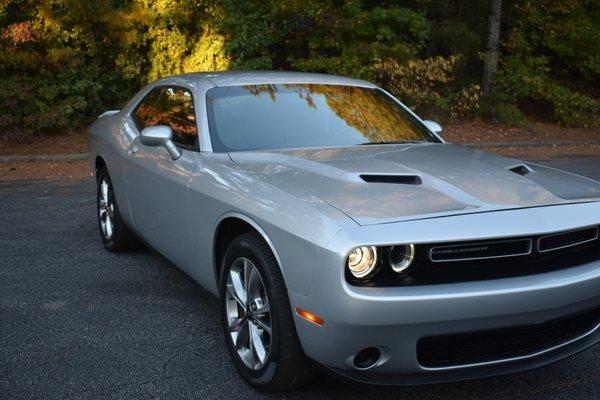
(490, 65)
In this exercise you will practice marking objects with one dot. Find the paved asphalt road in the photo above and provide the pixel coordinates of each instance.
(79, 322)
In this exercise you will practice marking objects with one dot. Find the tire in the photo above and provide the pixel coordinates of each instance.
(285, 366)
(116, 236)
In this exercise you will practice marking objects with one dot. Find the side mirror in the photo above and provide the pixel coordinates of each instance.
(160, 135)
(433, 126)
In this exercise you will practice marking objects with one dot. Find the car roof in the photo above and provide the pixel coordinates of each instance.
(236, 78)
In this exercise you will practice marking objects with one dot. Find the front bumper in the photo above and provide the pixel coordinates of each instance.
(393, 319)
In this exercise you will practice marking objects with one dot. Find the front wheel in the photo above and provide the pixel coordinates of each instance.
(116, 236)
(257, 319)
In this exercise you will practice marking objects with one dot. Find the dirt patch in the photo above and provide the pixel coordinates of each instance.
(589, 150)
(485, 132)
(54, 170)
(46, 144)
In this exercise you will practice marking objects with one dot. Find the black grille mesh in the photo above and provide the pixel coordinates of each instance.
(567, 239)
(498, 344)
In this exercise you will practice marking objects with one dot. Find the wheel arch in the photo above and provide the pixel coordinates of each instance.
(99, 162)
(231, 225)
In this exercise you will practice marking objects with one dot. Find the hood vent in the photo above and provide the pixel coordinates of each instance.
(521, 169)
(397, 179)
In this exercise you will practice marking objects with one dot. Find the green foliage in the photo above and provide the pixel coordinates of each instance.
(63, 62)
(55, 64)
(573, 109)
(465, 102)
(419, 82)
(503, 113)
(312, 35)
(552, 57)
(181, 37)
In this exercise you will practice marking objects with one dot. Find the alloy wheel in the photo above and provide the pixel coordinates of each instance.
(106, 209)
(248, 313)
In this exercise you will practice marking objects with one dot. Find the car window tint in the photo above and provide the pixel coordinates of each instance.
(145, 109)
(175, 108)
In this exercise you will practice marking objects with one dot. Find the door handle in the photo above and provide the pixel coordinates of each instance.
(132, 150)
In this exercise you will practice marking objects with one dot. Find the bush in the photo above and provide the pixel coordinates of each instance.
(56, 103)
(466, 102)
(417, 82)
(551, 57)
(527, 78)
(504, 113)
(574, 109)
(63, 62)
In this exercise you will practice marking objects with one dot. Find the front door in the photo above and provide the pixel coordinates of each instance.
(157, 184)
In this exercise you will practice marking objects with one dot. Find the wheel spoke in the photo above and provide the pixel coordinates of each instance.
(247, 270)
(241, 339)
(104, 191)
(253, 286)
(236, 324)
(258, 344)
(237, 289)
(251, 345)
(266, 326)
(109, 226)
(260, 311)
(233, 293)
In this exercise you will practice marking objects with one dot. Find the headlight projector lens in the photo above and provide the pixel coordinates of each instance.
(401, 257)
(362, 261)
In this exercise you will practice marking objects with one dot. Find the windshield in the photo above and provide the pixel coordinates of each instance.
(267, 117)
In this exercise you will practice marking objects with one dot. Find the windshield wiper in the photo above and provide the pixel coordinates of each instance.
(393, 142)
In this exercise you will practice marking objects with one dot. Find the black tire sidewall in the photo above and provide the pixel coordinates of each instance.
(245, 248)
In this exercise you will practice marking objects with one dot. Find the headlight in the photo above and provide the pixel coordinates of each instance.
(362, 261)
(401, 257)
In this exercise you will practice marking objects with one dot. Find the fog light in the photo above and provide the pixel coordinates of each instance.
(362, 261)
(401, 257)
(366, 358)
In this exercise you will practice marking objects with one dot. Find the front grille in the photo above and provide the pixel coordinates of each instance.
(440, 263)
(505, 343)
(563, 240)
(481, 250)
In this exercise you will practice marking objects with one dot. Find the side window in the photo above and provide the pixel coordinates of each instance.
(175, 108)
(172, 107)
(146, 109)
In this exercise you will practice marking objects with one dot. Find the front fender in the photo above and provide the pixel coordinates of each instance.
(295, 228)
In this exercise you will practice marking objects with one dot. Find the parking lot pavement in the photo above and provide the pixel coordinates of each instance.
(79, 322)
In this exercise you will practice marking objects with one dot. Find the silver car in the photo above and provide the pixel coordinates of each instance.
(340, 230)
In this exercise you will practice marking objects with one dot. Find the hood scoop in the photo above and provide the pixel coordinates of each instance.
(520, 169)
(384, 184)
(394, 179)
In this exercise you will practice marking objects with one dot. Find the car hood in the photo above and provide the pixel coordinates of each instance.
(388, 183)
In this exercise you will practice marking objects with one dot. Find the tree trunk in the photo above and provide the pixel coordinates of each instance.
(491, 56)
